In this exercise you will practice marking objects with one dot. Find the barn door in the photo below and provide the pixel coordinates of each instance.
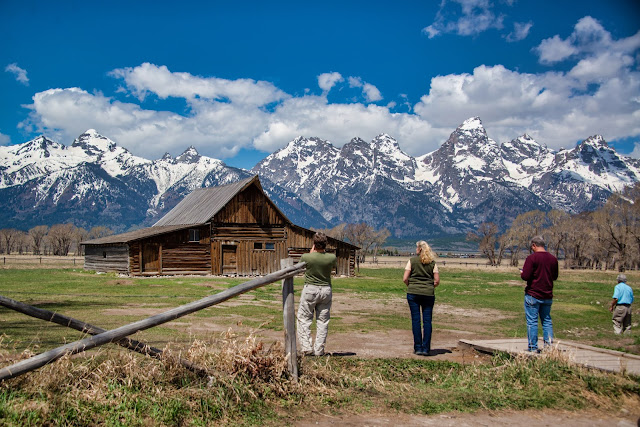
(229, 256)
(151, 257)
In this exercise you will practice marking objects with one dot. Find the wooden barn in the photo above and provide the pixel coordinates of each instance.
(231, 230)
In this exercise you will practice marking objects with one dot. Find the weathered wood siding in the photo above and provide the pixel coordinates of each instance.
(174, 253)
(107, 258)
(249, 207)
(247, 237)
(258, 250)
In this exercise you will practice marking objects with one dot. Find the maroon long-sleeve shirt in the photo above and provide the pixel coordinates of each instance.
(540, 269)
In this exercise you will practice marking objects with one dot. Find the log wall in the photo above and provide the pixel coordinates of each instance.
(107, 258)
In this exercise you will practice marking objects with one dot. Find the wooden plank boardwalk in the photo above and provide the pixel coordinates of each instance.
(586, 355)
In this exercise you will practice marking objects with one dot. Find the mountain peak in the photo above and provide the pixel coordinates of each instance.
(596, 141)
(472, 123)
(190, 155)
(93, 143)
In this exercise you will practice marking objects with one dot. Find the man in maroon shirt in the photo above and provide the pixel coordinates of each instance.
(540, 269)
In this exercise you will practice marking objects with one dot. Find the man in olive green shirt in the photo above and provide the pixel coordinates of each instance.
(316, 296)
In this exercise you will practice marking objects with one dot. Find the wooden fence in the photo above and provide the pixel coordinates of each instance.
(119, 335)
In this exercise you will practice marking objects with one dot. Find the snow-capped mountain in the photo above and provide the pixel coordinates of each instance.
(468, 180)
(95, 182)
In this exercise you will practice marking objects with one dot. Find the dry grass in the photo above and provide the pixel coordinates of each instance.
(248, 384)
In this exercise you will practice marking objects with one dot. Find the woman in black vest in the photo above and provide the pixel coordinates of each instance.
(421, 277)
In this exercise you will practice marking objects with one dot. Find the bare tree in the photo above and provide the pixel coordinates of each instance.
(79, 235)
(99, 231)
(22, 242)
(614, 222)
(336, 232)
(362, 235)
(37, 234)
(8, 236)
(61, 237)
(487, 238)
(379, 238)
(558, 231)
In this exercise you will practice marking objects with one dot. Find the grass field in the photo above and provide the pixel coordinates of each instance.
(111, 386)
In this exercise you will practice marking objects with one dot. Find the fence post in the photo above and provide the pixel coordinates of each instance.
(289, 316)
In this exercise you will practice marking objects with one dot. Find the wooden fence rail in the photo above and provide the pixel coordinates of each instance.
(113, 335)
(87, 328)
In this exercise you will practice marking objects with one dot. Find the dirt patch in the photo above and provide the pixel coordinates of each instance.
(547, 417)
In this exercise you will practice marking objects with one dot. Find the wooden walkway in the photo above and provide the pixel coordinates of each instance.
(586, 355)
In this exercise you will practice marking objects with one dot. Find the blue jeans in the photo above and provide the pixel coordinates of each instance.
(421, 339)
(534, 308)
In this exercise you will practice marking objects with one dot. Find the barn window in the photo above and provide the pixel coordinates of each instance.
(270, 246)
(104, 254)
(257, 246)
(194, 235)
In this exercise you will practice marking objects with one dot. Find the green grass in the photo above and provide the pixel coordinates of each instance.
(113, 387)
(579, 311)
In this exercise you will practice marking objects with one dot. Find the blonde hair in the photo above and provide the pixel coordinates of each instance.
(426, 253)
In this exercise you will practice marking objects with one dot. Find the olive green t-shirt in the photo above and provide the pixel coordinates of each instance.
(319, 267)
(422, 277)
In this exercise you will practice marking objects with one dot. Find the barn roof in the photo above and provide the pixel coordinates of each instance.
(202, 204)
(136, 234)
(195, 209)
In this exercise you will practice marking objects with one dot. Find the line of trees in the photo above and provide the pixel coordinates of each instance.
(608, 238)
(58, 239)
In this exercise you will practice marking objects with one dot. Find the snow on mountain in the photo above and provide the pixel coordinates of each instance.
(95, 182)
(469, 179)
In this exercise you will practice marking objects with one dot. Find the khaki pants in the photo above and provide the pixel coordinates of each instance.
(314, 299)
(621, 319)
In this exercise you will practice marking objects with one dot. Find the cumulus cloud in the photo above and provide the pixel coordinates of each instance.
(369, 91)
(338, 123)
(588, 38)
(465, 18)
(327, 81)
(599, 94)
(218, 129)
(4, 139)
(19, 73)
(149, 78)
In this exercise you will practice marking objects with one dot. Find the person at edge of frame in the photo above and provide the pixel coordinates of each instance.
(620, 305)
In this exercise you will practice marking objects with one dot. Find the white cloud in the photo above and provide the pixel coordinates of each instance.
(555, 108)
(465, 18)
(217, 129)
(338, 123)
(520, 31)
(600, 94)
(369, 91)
(149, 78)
(327, 81)
(554, 50)
(4, 139)
(588, 38)
(19, 73)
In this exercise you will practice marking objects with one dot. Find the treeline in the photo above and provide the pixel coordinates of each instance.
(58, 239)
(608, 238)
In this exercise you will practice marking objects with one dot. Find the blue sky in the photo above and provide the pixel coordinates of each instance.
(239, 80)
